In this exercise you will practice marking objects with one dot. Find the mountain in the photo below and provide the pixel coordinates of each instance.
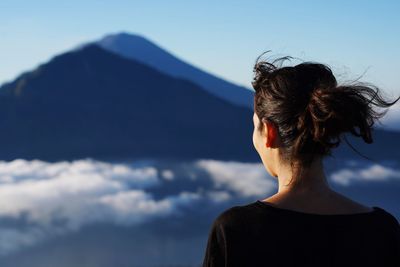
(141, 49)
(93, 103)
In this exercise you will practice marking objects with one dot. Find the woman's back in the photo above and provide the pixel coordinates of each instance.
(260, 234)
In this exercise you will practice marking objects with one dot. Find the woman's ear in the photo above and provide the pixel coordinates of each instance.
(270, 132)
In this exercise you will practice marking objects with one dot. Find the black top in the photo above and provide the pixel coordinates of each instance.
(259, 234)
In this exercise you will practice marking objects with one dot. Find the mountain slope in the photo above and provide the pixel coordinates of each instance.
(141, 49)
(94, 103)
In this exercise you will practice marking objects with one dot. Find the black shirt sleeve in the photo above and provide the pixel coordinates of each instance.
(215, 252)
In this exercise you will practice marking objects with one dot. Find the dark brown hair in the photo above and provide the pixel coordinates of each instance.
(311, 111)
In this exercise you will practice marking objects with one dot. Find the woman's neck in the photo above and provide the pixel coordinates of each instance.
(312, 181)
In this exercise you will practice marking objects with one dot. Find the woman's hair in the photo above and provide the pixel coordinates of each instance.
(311, 111)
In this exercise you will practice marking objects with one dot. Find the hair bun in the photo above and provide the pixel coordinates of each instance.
(342, 109)
(326, 109)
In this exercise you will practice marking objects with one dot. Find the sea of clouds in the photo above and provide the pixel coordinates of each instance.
(40, 200)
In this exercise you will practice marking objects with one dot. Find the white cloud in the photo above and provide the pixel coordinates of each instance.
(219, 196)
(245, 179)
(168, 175)
(56, 198)
(374, 172)
(43, 189)
(134, 206)
(20, 169)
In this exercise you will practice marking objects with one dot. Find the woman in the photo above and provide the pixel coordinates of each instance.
(300, 115)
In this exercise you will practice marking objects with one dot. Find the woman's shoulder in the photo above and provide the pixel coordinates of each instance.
(238, 215)
(259, 211)
(228, 216)
(389, 219)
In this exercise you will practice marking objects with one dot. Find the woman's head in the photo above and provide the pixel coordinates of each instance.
(301, 113)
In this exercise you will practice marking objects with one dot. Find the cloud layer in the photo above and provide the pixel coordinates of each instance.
(40, 200)
(55, 198)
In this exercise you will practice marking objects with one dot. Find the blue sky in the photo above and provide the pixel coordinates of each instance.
(224, 37)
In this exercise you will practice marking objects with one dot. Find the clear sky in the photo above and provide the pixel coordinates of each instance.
(222, 37)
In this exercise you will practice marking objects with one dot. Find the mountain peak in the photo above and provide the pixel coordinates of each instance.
(137, 47)
(123, 37)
